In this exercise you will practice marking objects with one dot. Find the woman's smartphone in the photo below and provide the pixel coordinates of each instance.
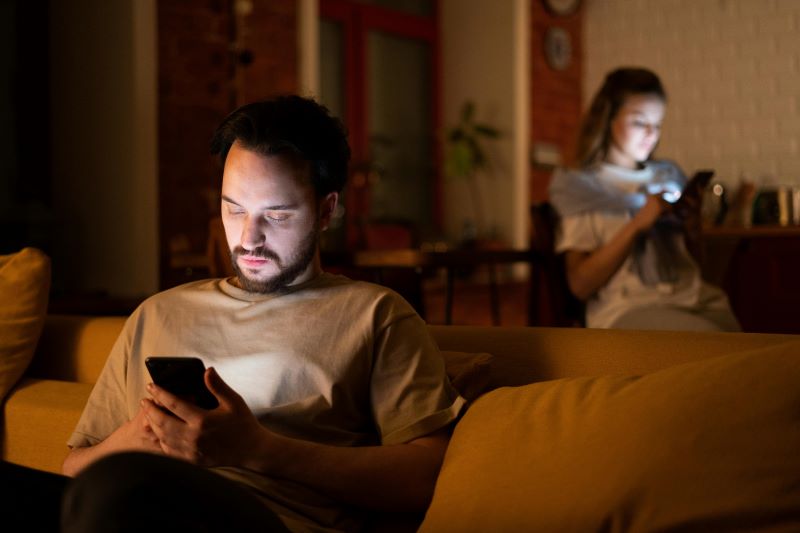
(183, 377)
(694, 186)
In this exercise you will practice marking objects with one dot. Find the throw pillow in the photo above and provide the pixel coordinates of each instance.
(706, 446)
(468, 372)
(24, 290)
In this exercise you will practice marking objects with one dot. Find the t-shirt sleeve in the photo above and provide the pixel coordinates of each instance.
(106, 409)
(577, 232)
(411, 394)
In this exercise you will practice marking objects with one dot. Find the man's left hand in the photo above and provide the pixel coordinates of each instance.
(218, 437)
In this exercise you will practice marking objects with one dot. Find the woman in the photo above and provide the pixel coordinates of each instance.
(622, 240)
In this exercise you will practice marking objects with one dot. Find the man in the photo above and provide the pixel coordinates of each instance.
(332, 396)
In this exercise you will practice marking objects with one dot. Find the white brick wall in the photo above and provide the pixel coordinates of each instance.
(731, 69)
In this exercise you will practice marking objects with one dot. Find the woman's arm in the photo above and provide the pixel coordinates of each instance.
(587, 272)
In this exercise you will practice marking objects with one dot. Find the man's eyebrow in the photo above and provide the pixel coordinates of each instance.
(279, 207)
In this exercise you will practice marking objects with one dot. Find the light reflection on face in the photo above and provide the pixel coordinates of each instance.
(635, 130)
(272, 219)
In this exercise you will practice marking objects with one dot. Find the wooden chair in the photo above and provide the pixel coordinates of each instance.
(552, 303)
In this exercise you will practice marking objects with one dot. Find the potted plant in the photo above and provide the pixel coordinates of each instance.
(466, 156)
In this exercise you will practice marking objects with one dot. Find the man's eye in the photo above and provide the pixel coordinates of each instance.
(235, 211)
(277, 217)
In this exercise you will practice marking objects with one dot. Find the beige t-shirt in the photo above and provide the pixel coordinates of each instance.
(625, 290)
(333, 361)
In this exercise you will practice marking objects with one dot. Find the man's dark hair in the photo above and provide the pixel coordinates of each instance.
(290, 125)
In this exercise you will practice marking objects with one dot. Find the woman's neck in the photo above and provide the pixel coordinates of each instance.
(616, 157)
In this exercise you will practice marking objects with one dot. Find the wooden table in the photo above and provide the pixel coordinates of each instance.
(451, 260)
(759, 268)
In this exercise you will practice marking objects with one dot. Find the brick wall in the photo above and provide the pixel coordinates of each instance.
(731, 69)
(269, 33)
(201, 79)
(555, 95)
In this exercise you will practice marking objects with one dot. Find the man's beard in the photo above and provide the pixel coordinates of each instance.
(297, 264)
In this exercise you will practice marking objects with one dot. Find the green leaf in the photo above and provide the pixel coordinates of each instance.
(455, 134)
(465, 154)
(467, 111)
(460, 163)
(487, 131)
(478, 157)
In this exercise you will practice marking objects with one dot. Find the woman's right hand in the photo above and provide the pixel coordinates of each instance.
(651, 211)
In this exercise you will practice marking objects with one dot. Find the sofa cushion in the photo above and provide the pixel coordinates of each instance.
(704, 446)
(468, 372)
(38, 418)
(24, 290)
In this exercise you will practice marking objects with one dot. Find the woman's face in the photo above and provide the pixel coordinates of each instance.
(635, 130)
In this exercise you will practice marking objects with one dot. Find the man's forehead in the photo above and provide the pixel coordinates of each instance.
(286, 164)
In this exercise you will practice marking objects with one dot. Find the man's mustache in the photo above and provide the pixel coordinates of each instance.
(261, 252)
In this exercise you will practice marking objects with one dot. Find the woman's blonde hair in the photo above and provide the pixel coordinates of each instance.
(594, 138)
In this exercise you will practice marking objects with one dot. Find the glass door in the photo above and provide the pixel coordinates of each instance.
(379, 72)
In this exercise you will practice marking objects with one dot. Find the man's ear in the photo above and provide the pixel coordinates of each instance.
(327, 206)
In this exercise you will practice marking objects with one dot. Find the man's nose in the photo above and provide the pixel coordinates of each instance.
(253, 235)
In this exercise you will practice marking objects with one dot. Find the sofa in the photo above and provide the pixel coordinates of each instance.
(570, 430)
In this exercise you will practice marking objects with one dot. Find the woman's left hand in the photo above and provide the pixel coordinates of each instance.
(688, 212)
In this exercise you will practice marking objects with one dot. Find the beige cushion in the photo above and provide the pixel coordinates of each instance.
(468, 372)
(707, 446)
(24, 290)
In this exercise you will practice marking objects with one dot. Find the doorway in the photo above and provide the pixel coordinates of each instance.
(379, 72)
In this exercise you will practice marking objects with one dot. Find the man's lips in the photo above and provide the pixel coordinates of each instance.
(252, 262)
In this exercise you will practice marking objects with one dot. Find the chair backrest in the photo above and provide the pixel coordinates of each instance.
(555, 304)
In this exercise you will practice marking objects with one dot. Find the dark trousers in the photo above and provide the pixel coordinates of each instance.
(30, 499)
(133, 492)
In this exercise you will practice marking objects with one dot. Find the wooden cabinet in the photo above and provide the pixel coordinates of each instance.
(759, 268)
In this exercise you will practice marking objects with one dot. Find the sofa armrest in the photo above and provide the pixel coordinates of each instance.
(38, 418)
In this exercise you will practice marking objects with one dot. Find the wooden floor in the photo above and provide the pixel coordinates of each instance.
(471, 304)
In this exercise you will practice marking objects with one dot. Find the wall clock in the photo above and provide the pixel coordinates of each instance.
(562, 7)
(558, 48)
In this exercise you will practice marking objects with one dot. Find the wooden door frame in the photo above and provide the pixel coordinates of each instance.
(357, 19)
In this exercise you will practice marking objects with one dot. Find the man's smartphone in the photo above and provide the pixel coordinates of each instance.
(183, 377)
(694, 186)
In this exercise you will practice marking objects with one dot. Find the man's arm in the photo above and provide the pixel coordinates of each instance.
(397, 477)
(134, 435)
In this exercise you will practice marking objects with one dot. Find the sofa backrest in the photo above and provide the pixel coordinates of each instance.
(74, 348)
(525, 355)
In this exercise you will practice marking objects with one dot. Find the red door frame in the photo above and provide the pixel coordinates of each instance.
(357, 19)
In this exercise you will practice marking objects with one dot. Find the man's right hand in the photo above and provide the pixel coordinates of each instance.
(134, 435)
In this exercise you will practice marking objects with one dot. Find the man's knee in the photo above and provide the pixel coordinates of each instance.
(120, 492)
(130, 492)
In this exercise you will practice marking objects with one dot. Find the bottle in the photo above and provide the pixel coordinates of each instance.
(740, 212)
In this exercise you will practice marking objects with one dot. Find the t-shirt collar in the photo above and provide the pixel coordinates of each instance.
(228, 286)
